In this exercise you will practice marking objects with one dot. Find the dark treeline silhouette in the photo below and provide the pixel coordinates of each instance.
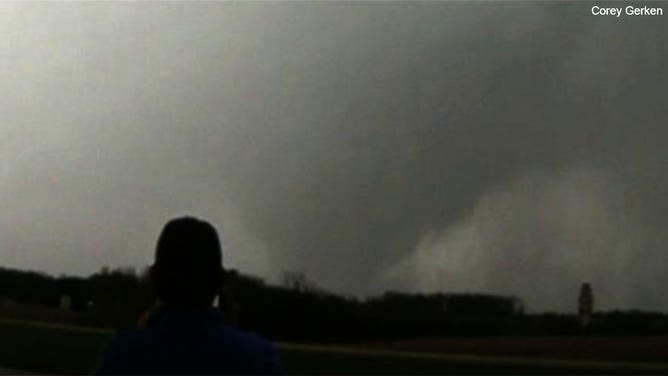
(116, 298)
(107, 298)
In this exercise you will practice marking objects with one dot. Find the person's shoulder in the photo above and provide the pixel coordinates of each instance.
(245, 340)
(257, 349)
(131, 338)
(242, 335)
(225, 350)
(118, 354)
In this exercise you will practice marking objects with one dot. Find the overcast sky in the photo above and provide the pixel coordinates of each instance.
(513, 148)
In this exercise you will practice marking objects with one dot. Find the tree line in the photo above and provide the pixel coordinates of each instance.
(295, 312)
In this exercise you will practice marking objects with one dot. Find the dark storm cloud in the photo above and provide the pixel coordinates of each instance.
(417, 115)
(514, 148)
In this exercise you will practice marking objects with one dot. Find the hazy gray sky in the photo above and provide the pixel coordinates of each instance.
(513, 148)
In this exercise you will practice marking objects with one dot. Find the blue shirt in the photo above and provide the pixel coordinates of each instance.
(192, 342)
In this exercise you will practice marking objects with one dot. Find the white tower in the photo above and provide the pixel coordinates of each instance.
(585, 305)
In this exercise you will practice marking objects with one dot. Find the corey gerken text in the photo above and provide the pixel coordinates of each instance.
(627, 11)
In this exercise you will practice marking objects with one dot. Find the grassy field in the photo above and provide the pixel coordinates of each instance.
(586, 348)
(56, 349)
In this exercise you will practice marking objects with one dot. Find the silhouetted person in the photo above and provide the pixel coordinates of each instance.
(184, 333)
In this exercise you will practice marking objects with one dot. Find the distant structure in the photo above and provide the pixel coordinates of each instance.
(65, 302)
(518, 306)
(295, 281)
(585, 305)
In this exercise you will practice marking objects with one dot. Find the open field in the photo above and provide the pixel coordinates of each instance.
(56, 349)
(628, 349)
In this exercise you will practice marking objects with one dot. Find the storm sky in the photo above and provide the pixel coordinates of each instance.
(514, 148)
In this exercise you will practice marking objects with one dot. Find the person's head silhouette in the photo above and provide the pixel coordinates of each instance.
(188, 270)
(182, 333)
